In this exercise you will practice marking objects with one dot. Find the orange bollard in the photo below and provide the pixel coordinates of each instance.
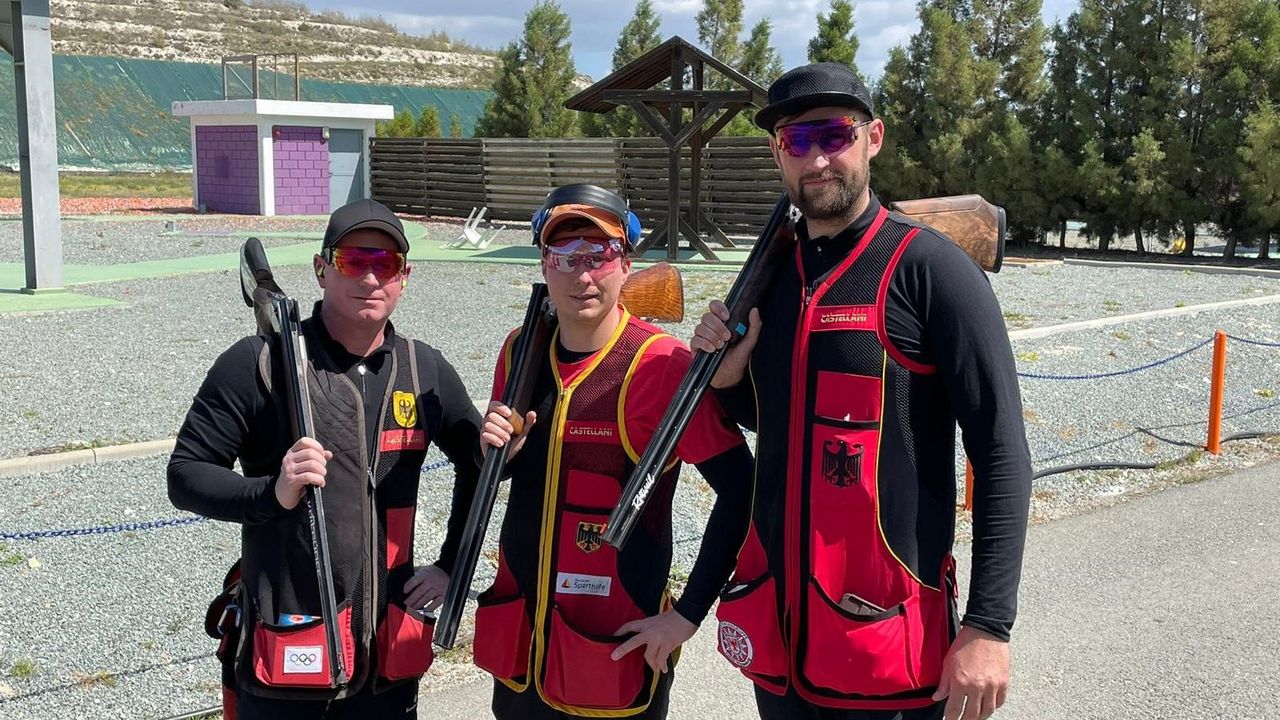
(1214, 445)
(968, 484)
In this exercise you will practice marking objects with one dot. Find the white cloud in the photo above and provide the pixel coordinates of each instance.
(463, 27)
(678, 7)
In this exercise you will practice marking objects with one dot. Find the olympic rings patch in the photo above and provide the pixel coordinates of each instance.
(303, 659)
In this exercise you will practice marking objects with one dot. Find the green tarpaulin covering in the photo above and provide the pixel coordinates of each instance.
(116, 113)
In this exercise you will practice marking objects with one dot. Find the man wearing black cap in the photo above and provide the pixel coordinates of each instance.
(855, 371)
(377, 399)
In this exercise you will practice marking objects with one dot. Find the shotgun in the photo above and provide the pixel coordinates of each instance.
(761, 266)
(526, 360)
(656, 292)
(975, 224)
(277, 313)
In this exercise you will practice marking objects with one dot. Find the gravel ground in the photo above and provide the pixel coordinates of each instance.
(107, 242)
(62, 653)
(128, 372)
(1053, 294)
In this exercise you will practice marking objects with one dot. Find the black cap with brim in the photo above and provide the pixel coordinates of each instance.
(364, 215)
(814, 86)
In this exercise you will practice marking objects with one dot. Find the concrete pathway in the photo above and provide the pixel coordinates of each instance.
(1162, 607)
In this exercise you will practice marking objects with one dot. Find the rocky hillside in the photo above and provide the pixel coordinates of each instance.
(332, 46)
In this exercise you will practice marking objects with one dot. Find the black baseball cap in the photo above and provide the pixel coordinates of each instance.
(824, 84)
(363, 214)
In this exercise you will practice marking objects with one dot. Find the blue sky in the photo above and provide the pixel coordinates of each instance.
(881, 24)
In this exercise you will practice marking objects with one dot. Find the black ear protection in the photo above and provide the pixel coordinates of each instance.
(593, 195)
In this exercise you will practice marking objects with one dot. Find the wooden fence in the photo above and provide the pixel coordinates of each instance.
(442, 176)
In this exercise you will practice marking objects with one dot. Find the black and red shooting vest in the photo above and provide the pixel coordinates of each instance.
(547, 623)
(833, 595)
(370, 500)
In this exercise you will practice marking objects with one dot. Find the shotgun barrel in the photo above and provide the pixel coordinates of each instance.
(526, 360)
(758, 272)
(276, 312)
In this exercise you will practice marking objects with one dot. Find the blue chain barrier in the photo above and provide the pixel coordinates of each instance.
(1259, 343)
(104, 529)
(1115, 373)
(138, 526)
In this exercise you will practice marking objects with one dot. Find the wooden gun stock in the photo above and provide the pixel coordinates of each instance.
(971, 222)
(656, 292)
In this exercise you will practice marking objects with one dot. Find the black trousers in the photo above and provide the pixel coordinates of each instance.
(397, 703)
(793, 707)
(511, 705)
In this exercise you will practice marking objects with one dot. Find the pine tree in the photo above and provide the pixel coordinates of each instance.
(455, 125)
(836, 40)
(535, 78)
(428, 122)
(719, 28)
(1011, 34)
(1260, 178)
(641, 34)
(402, 125)
(1060, 133)
(760, 61)
(1146, 186)
(929, 99)
(506, 114)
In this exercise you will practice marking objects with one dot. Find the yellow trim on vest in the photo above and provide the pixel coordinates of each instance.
(551, 493)
(622, 397)
(884, 373)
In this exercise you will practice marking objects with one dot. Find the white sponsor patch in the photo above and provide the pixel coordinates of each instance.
(303, 659)
(574, 584)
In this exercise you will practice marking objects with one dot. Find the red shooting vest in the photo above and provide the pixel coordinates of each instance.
(858, 629)
(565, 633)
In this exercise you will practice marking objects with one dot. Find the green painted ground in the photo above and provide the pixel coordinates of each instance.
(425, 249)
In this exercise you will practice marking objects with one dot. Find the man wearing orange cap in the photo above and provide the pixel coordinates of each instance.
(572, 627)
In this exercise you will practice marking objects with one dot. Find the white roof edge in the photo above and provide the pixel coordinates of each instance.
(290, 108)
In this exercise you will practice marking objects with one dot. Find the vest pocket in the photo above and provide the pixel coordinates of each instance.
(581, 673)
(501, 644)
(861, 653)
(404, 643)
(748, 634)
(297, 656)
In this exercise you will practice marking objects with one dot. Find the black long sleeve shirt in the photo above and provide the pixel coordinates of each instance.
(941, 311)
(234, 417)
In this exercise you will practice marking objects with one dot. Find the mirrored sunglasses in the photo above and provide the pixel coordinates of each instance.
(831, 135)
(356, 262)
(578, 254)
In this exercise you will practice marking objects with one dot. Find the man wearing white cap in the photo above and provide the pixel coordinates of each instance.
(572, 627)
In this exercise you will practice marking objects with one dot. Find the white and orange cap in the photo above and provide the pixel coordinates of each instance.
(602, 219)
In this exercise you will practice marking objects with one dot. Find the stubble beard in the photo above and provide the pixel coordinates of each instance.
(836, 202)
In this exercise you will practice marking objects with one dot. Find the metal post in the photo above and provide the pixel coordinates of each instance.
(1219, 379)
(673, 164)
(297, 82)
(37, 144)
(255, 77)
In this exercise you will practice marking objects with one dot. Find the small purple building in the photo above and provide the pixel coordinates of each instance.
(279, 157)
